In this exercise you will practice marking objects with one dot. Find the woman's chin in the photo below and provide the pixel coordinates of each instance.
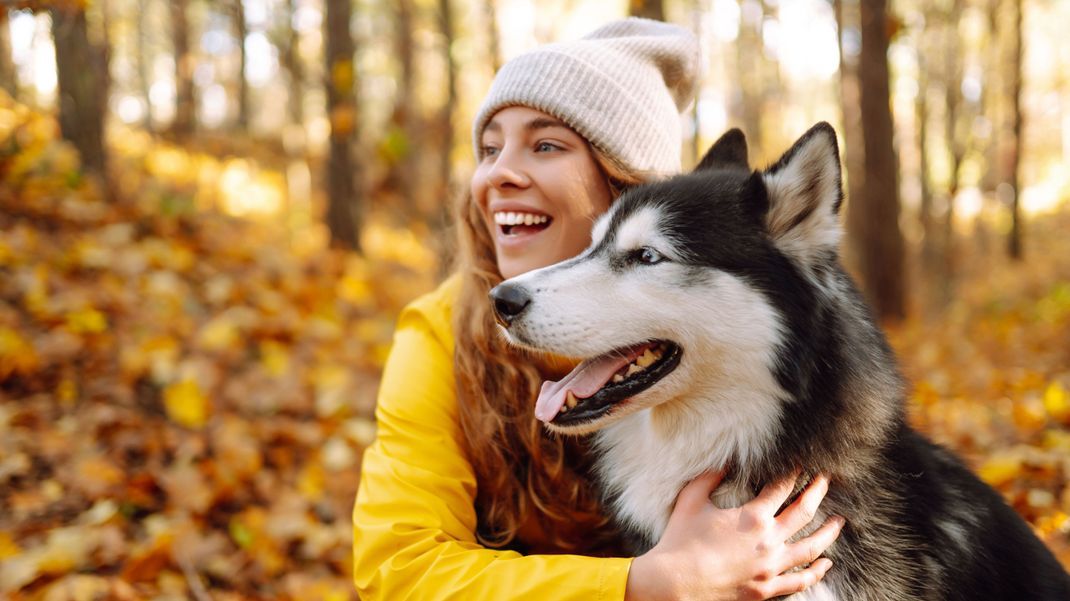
(521, 256)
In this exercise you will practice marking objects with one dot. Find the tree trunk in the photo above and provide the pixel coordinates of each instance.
(8, 77)
(292, 63)
(446, 191)
(991, 98)
(404, 174)
(694, 144)
(749, 79)
(490, 15)
(102, 56)
(954, 133)
(854, 149)
(929, 253)
(446, 115)
(185, 100)
(882, 257)
(648, 9)
(144, 63)
(81, 113)
(343, 202)
(241, 32)
(1014, 169)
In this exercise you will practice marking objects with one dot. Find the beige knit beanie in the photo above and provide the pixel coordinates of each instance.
(622, 87)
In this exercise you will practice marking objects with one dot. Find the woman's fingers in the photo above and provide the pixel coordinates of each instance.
(796, 582)
(809, 549)
(775, 493)
(696, 494)
(802, 511)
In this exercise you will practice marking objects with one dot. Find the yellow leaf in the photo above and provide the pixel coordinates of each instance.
(86, 321)
(218, 334)
(8, 547)
(1000, 469)
(66, 391)
(342, 75)
(1057, 402)
(16, 355)
(343, 118)
(311, 480)
(274, 357)
(355, 290)
(185, 404)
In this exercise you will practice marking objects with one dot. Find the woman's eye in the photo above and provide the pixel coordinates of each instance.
(546, 147)
(649, 256)
(489, 151)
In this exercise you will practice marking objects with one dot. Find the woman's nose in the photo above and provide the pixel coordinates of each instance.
(507, 172)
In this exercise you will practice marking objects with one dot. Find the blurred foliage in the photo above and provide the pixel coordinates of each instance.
(991, 374)
(184, 395)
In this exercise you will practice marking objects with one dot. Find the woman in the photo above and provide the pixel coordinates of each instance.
(463, 494)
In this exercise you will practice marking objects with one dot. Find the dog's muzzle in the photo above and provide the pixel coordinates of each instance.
(510, 300)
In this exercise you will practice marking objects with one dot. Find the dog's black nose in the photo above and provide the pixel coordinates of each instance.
(510, 301)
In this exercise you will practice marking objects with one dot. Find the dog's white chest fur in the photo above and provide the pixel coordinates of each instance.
(646, 458)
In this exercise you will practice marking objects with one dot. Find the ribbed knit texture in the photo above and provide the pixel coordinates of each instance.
(622, 87)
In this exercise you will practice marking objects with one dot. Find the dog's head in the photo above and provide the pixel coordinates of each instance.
(688, 283)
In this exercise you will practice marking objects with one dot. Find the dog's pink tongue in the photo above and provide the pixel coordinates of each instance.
(583, 381)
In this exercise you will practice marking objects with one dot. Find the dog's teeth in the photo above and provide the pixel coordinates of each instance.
(633, 369)
(617, 378)
(646, 359)
(570, 401)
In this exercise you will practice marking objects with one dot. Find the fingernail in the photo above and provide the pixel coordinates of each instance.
(839, 520)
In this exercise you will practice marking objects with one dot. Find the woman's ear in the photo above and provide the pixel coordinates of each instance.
(728, 152)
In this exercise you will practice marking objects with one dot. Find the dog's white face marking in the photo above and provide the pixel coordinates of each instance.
(637, 231)
(601, 226)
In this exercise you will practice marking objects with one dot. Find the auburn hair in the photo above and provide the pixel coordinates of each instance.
(522, 470)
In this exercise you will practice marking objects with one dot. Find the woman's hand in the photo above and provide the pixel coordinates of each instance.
(710, 553)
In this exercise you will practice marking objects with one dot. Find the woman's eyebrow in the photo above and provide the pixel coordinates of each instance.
(543, 123)
(533, 125)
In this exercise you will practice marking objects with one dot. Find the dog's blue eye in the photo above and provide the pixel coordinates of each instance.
(648, 256)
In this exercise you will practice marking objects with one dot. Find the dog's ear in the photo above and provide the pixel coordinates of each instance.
(805, 193)
(730, 150)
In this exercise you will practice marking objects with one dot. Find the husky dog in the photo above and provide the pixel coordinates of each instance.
(718, 330)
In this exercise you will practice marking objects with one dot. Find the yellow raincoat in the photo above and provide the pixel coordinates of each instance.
(414, 521)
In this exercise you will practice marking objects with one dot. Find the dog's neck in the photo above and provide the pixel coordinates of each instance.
(647, 457)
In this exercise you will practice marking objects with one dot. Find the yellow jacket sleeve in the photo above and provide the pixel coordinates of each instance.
(414, 520)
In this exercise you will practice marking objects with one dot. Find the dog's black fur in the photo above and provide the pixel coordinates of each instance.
(919, 524)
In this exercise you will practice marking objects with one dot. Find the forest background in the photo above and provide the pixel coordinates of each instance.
(211, 212)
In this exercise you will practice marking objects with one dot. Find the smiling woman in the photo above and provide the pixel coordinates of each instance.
(465, 493)
(539, 188)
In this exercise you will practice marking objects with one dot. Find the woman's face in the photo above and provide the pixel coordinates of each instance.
(539, 188)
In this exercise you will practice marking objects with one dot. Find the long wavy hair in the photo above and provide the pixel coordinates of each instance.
(522, 471)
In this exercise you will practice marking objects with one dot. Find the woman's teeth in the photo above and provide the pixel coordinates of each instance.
(511, 218)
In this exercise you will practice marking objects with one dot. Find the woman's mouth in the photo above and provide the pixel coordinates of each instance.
(520, 223)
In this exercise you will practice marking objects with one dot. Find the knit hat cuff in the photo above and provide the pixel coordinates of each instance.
(594, 104)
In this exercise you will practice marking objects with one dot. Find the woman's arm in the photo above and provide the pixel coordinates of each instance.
(414, 519)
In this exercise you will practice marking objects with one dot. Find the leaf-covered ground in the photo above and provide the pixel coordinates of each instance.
(184, 396)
